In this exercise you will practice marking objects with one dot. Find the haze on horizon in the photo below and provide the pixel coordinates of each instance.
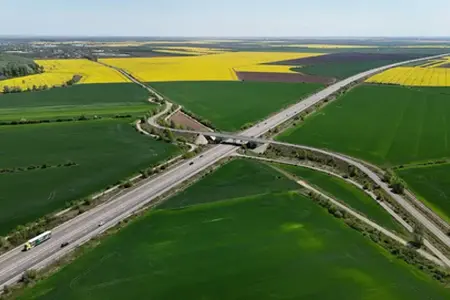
(231, 18)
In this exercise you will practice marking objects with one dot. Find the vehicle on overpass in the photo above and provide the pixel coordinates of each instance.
(37, 240)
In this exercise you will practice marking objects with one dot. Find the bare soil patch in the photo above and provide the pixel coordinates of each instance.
(181, 118)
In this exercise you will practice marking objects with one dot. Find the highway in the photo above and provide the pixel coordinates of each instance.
(85, 226)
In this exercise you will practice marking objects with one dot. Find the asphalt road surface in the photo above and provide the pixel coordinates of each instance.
(86, 226)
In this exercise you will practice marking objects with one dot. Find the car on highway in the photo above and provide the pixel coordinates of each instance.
(65, 244)
(191, 163)
(101, 224)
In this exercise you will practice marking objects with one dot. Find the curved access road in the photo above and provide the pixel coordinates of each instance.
(407, 206)
(439, 257)
(85, 226)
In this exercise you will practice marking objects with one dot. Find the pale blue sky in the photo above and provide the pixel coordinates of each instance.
(226, 17)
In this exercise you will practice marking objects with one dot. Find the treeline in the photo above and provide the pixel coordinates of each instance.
(59, 120)
(13, 69)
(36, 167)
(12, 66)
(35, 88)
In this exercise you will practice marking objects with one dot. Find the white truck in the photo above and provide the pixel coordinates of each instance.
(37, 240)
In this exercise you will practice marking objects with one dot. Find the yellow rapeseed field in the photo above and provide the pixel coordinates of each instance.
(323, 46)
(424, 46)
(90, 71)
(190, 50)
(429, 74)
(57, 72)
(27, 82)
(169, 51)
(203, 68)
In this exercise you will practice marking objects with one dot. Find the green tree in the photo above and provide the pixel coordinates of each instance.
(6, 289)
(398, 187)
(3, 242)
(188, 155)
(351, 171)
(252, 145)
(388, 176)
(169, 135)
(418, 236)
(29, 276)
(87, 201)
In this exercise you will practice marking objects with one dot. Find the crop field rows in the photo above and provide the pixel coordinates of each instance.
(217, 67)
(189, 50)
(260, 239)
(104, 151)
(238, 103)
(414, 76)
(212, 64)
(432, 73)
(80, 100)
(385, 125)
(342, 65)
(432, 185)
(98, 153)
(247, 230)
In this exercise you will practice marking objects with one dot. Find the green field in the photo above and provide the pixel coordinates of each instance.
(386, 125)
(231, 104)
(74, 101)
(236, 179)
(348, 194)
(341, 70)
(267, 246)
(432, 185)
(104, 152)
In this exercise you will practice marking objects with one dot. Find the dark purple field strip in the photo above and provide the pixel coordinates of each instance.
(431, 64)
(445, 66)
(282, 77)
(346, 57)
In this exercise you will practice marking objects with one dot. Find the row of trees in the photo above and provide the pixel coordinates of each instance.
(59, 120)
(18, 89)
(395, 183)
(17, 69)
(34, 167)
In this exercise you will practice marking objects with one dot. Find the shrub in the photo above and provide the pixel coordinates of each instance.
(6, 289)
(127, 185)
(29, 276)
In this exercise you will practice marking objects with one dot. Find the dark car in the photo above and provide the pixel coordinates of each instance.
(64, 244)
